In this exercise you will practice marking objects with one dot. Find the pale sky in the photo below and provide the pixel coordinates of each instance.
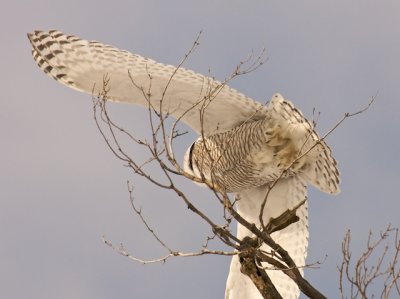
(62, 189)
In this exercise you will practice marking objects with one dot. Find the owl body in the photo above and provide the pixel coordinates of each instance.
(244, 146)
(258, 152)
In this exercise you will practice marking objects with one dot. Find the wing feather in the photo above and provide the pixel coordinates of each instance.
(321, 170)
(208, 107)
(82, 64)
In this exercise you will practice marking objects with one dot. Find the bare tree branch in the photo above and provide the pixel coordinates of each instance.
(301, 154)
(377, 265)
(161, 154)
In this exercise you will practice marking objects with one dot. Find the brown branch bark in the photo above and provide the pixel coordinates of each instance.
(161, 152)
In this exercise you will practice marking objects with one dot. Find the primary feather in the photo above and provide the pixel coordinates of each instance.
(243, 148)
(82, 65)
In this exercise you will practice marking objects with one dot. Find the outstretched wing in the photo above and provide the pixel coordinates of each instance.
(82, 65)
(286, 194)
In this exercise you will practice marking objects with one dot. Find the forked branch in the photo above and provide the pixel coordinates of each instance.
(378, 264)
(161, 154)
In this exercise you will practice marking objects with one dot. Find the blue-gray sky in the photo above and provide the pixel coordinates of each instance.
(61, 188)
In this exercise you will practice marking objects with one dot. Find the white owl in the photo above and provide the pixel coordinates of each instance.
(246, 145)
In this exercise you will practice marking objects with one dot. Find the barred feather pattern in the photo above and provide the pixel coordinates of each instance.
(244, 145)
(258, 152)
(321, 167)
(196, 99)
(226, 159)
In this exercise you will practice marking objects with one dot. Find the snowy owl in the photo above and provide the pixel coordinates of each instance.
(244, 145)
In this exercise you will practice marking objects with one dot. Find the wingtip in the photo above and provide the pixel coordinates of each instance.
(336, 191)
(277, 96)
(30, 35)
